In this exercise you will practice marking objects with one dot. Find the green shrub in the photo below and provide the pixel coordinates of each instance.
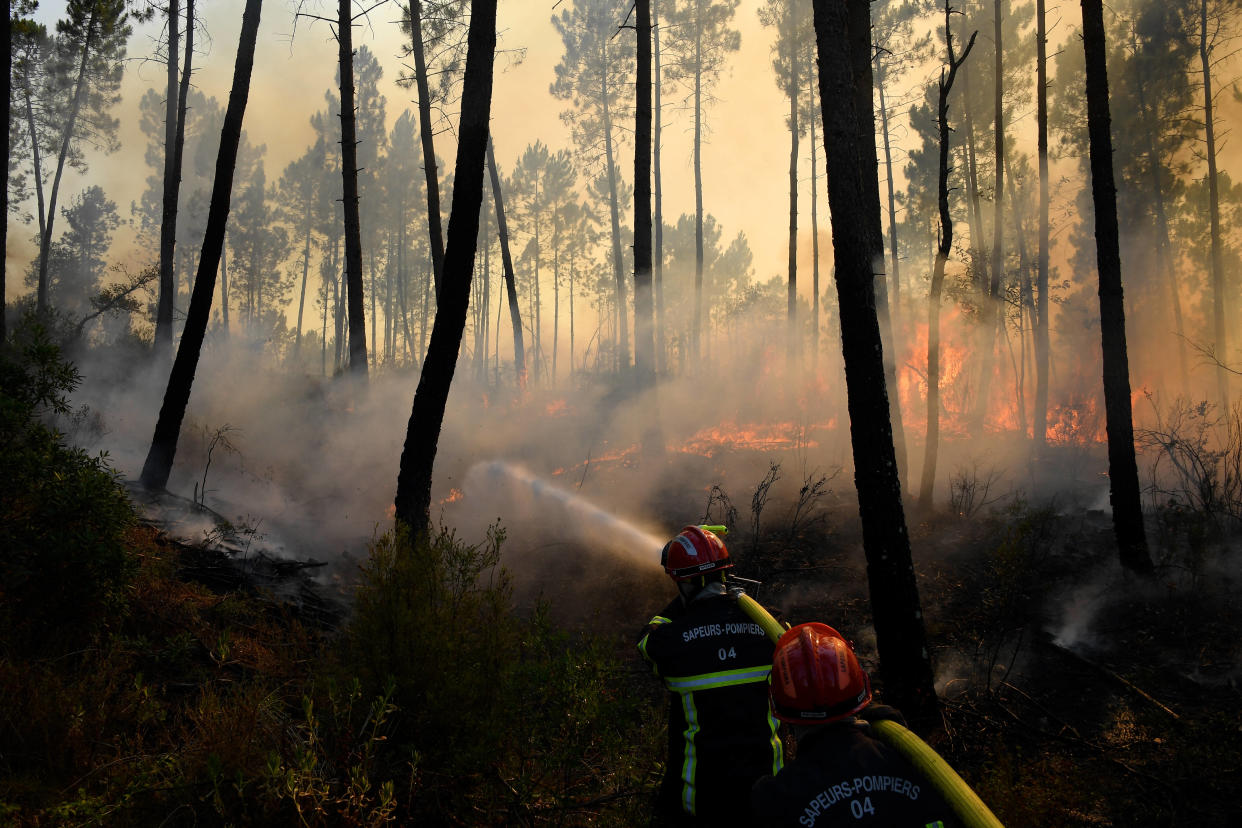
(63, 514)
(499, 718)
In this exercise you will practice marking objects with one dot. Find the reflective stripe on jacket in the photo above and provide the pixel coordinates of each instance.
(715, 663)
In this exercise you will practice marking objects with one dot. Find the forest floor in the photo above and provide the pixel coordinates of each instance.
(1074, 694)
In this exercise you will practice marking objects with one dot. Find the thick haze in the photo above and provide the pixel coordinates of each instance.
(316, 461)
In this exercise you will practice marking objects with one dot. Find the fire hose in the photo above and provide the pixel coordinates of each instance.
(969, 808)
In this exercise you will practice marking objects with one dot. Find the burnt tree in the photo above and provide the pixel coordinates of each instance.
(931, 446)
(413, 499)
(506, 260)
(349, 180)
(174, 146)
(1122, 468)
(158, 465)
(905, 665)
(861, 52)
(644, 343)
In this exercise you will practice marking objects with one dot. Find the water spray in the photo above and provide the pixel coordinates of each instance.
(566, 511)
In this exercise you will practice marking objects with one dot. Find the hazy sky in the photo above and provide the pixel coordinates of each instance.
(745, 165)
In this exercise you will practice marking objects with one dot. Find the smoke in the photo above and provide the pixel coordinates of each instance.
(568, 518)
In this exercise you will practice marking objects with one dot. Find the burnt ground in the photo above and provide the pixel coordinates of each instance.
(1074, 693)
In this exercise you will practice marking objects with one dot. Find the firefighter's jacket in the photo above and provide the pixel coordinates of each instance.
(844, 776)
(715, 663)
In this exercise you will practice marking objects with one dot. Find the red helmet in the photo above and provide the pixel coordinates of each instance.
(816, 677)
(695, 551)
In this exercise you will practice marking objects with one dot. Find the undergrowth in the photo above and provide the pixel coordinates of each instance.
(131, 695)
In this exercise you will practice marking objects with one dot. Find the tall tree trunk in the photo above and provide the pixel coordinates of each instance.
(644, 329)
(485, 318)
(974, 215)
(614, 210)
(297, 342)
(413, 498)
(931, 447)
(697, 332)
(993, 316)
(323, 336)
(905, 665)
(173, 125)
(1040, 428)
(1122, 467)
(791, 287)
(506, 259)
(894, 260)
(1026, 300)
(1221, 345)
(158, 465)
(657, 254)
(36, 160)
(434, 229)
(814, 240)
(374, 316)
(859, 17)
(349, 176)
(45, 242)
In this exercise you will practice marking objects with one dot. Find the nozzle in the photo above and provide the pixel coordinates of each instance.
(715, 530)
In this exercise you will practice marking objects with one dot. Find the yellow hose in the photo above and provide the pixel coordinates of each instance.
(957, 794)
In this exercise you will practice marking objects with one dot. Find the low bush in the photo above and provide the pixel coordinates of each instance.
(63, 513)
(497, 715)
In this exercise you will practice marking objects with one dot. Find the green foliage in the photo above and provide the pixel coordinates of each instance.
(63, 514)
(499, 714)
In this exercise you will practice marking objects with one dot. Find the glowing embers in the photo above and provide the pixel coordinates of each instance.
(1077, 422)
(753, 437)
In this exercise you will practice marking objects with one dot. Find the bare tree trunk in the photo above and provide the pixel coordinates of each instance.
(614, 209)
(1040, 428)
(644, 329)
(413, 497)
(434, 229)
(1221, 345)
(172, 180)
(859, 12)
(1122, 467)
(932, 446)
(993, 315)
(297, 342)
(894, 260)
(697, 332)
(484, 317)
(791, 289)
(905, 665)
(158, 465)
(515, 316)
(657, 258)
(814, 240)
(349, 176)
(974, 216)
(45, 241)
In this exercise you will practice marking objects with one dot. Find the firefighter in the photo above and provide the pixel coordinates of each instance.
(841, 775)
(715, 662)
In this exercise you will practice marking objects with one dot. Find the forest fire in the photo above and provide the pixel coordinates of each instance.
(752, 437)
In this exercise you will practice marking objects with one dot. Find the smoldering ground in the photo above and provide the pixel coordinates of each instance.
(588, 479)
